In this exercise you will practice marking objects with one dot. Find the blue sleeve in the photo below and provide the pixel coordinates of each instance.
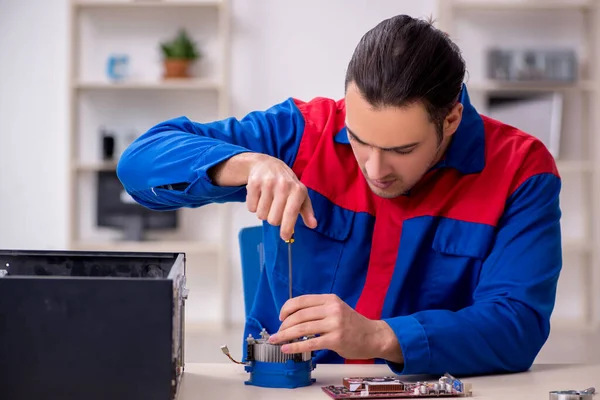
(509, 320)
(167, 167)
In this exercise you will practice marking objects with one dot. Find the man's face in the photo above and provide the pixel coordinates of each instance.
(394, 146)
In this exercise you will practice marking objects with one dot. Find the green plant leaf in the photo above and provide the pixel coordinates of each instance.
(166, 50)
(181, 47)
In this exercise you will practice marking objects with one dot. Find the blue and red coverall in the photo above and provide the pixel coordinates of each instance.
(464, 267)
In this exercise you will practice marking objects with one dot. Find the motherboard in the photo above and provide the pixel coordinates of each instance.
(389, 387)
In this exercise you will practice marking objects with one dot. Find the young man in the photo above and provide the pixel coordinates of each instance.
(429, 235)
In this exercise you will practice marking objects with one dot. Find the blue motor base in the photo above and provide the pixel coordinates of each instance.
(288, 375)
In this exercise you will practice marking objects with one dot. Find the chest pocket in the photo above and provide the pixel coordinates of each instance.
(463, 239)
(316, 253)
(454, 263)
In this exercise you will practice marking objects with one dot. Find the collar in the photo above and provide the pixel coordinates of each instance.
(466, 151)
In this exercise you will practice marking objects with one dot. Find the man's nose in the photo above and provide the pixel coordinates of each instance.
(376, 166)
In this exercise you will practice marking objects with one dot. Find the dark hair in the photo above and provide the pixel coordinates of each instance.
(404, 60)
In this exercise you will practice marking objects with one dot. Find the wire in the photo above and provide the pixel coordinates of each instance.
(225, 351)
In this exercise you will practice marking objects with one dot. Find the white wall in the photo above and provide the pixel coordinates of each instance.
(33, 112)
(281, 48)
(301, 48)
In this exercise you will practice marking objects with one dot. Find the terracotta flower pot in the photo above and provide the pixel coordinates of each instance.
(175, 68)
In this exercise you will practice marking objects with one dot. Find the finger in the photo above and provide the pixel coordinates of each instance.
(297, 303)
(298, 331)
(290, 215)
(308, 214)
(264, 204)
(305, 346)
(276, 212)
(307, 314)
(252, 196)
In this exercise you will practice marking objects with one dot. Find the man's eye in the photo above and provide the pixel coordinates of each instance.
(358, 142)
(404, 151)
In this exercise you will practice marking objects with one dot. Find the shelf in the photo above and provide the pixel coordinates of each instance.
(168, 84)
(498, 86)
(94, 167)
(522, 5)
(576, 246)
(82, 4)
(98, 28)
(574, 166)
(572, 325)
(190, 247)
(477, 26)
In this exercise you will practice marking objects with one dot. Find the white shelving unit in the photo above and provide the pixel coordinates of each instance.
(516, 24)
(128, 108)
(172, 84)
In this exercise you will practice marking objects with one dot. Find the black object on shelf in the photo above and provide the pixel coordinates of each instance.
(108, 145)
(116, 209)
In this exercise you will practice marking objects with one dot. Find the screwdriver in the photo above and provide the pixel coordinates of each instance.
(289, 242)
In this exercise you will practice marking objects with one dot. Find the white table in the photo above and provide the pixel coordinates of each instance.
(226, 381)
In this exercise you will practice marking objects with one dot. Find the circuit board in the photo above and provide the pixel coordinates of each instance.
(392, 388)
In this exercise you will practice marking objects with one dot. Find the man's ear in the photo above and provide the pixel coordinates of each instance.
(452, 120)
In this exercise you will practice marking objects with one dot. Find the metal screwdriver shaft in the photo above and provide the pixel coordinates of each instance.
(289, 242)
(290, 266)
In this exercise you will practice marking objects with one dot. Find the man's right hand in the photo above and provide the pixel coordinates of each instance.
(274, 192)
(277, 196)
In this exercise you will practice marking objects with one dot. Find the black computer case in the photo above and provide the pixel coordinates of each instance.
(91, 325)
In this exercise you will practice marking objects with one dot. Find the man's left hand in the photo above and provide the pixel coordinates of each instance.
(340, 329)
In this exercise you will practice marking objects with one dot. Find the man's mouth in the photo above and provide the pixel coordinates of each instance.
(383, 184)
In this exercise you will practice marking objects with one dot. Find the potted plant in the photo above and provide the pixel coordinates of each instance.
(178, 55)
